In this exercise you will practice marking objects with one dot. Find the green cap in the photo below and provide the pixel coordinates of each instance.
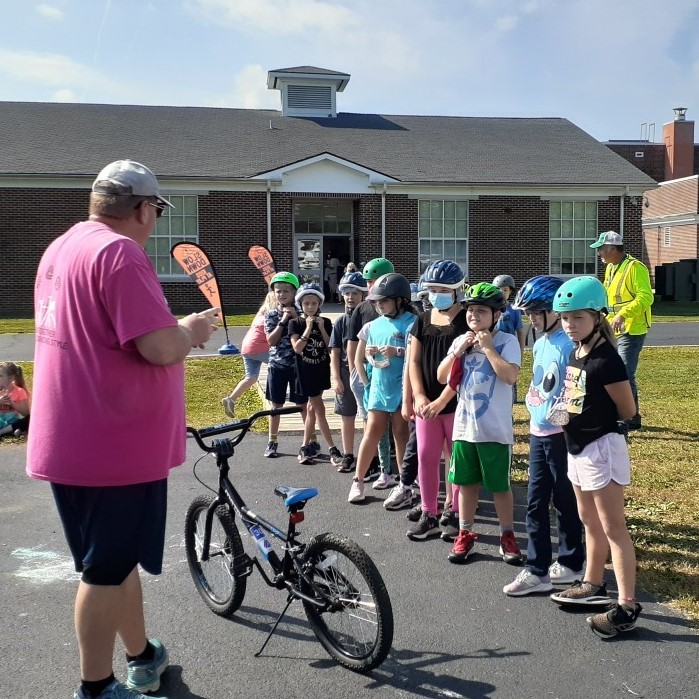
(608, 238)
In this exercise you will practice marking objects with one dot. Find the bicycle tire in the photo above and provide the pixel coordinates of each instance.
(221, 589)
(361, 605)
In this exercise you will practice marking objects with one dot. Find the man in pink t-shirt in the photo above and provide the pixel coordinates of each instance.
(108, 418)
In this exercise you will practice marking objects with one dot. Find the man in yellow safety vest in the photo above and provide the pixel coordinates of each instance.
(629, 298)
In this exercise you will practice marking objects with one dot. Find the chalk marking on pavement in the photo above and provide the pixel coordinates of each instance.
(43, 567)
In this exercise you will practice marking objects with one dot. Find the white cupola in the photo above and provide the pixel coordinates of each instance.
(307, 91)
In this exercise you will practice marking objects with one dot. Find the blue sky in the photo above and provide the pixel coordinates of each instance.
(607, 65)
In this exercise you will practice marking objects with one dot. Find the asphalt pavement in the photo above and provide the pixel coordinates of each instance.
(456, 634)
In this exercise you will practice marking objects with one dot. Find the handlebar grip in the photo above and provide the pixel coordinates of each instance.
(218, 429)
(281, 411)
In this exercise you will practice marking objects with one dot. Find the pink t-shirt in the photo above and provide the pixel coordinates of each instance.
(101, 414)
(255, 340)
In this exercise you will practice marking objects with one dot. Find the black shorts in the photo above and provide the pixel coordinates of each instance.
(279, 379)
(346, 404)
(110, 530)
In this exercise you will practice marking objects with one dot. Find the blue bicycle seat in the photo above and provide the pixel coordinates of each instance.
(292, 496)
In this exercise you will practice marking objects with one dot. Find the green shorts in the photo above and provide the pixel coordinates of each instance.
(481, 462)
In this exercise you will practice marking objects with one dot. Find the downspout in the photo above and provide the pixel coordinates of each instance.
(621, 212)
(269, 216)
(383, 221)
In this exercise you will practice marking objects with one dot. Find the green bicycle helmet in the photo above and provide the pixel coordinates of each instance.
(285, 278)
(485, 294)
(377, 268)
(581, 293)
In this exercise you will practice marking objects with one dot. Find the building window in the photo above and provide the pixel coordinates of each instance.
(323, 218)
(667, 237)
(443, 232)
(174, 226)
(572, 227)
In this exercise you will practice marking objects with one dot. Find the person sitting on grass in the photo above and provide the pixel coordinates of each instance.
(14, 399)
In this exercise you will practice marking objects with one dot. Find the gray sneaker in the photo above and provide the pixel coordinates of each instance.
(144, 675)
(583, 593)
(401, 496)
(414, 513)
(426, 526)
(449, 524)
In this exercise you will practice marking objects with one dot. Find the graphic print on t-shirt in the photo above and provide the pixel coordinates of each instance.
(478, 381)
(575, 389)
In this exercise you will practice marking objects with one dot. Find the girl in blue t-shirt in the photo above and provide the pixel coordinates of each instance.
(384, 348)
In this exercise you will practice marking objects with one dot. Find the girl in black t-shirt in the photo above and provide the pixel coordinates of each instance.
(310, 336)
(597, 396)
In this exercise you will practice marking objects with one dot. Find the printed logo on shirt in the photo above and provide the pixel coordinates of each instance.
(575, 382)
(478, 382)
(46, 324)
(545, 383)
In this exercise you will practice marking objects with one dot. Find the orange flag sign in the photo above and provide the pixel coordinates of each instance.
(263, 260)
(195, 262)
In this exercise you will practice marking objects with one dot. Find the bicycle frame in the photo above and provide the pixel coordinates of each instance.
(284, 569)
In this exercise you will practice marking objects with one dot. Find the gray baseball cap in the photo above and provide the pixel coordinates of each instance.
(608, 238)
(128, 177)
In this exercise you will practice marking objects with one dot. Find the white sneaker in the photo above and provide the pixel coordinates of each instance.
(526, 583)
(385, 480)
(228, 406)
(401, 496)
(356, 493)
(563, 575)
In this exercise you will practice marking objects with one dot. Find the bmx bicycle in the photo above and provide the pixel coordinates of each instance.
(342, 592)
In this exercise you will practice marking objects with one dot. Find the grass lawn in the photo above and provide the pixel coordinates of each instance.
(662, 502)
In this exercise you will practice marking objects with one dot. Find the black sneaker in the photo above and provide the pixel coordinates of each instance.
(449, 524)
(583, 593)
(347, 464)
(335, 456)
(314, 447)
(374, 470)
(426, 526)
(414, 513)
(620, 618)
(306, 455)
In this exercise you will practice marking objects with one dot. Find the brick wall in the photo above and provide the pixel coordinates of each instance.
(652, 162)
(508, 235)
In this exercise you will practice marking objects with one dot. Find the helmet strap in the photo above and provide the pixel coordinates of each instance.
(595, 330)
(556, 320)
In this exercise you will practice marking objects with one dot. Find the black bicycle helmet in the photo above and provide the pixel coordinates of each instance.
(390, 286)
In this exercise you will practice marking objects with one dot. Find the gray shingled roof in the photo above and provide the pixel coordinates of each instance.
(199, 142)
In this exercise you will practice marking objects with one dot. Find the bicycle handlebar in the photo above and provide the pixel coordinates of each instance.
(242, 425)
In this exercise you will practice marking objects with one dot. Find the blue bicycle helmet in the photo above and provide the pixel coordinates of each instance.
(444, 273)
(537, 293)
(309, 288)
(352, 281)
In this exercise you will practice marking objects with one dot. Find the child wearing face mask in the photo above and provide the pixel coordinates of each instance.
(434, 404)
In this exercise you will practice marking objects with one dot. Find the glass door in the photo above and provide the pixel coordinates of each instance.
(309, 259)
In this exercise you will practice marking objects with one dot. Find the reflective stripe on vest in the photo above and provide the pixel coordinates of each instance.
(624, 267)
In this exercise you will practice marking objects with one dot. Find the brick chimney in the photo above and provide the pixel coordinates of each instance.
(678, 136)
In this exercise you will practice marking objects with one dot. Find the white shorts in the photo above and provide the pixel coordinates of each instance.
(604, 460)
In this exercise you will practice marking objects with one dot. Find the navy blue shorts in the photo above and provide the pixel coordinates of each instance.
(110, 530)
(279, 379)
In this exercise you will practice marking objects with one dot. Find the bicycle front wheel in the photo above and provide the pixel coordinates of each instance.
(220, 584)
(355, 623)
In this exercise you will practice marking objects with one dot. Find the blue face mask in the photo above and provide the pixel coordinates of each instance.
(442, 301)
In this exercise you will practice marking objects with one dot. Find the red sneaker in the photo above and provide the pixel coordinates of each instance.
(508, 548)
(462, 546)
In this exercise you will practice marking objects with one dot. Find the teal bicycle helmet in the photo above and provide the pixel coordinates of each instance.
(579, 294)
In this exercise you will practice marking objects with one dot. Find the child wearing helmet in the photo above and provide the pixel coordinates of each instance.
(511, 320)
(310, 336)
(281, 375)
(383, 342)
(352, 287)
(483, 364)
(597, 397)
(548, 477)
(364, 313)
(433, 405)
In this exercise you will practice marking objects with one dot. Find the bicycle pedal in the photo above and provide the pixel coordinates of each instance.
(242, 566)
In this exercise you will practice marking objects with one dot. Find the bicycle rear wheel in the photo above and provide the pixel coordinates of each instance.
(221, 587)
(355, 623)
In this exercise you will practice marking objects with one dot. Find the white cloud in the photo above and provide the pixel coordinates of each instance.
(250, 91)
(506, 23)
(64, 95)
(47, 69)
(278, 16)
(49, 12)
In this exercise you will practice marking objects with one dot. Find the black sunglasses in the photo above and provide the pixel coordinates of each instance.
(158, 208)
